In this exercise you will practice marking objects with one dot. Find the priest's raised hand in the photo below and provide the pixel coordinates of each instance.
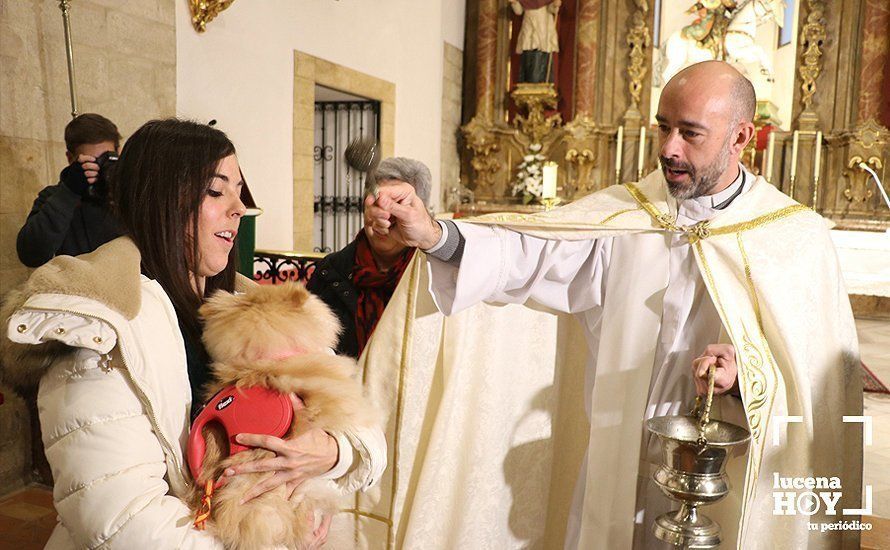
(398, 211)
(725, 375)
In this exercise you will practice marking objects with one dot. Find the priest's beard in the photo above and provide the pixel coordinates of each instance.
(701, 181)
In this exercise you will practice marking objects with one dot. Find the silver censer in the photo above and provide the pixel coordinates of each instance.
(693, 471)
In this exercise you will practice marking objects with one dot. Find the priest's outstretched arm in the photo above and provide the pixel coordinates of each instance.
(471, 264)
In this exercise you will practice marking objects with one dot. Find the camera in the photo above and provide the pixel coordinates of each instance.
(106, 162)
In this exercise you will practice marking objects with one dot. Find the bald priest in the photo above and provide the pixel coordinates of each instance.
(700, 263)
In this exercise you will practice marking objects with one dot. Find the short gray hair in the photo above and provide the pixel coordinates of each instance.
(403, 169)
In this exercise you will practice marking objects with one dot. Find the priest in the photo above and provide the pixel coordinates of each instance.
(699, 263)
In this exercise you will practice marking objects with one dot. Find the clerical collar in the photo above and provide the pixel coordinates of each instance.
(721, 200)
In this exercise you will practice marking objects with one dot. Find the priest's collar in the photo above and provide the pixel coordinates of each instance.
(706, 207)
(722, 199)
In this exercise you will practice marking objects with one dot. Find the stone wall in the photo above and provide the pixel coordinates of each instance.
(452, 74)
(125, 63)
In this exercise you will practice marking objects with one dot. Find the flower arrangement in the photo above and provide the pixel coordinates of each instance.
(530, 175)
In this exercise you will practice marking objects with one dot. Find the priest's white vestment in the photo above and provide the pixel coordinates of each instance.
(651, 284)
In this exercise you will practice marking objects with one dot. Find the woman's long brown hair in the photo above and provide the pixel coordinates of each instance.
(163, 175)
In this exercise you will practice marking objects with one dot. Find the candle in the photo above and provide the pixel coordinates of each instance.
(793, 171)
(642, 154)
(618, 154)
(770, 148)
(549, 174)
(818, 161)
(817, 164)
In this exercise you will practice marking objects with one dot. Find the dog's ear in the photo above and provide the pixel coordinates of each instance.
(297, 295)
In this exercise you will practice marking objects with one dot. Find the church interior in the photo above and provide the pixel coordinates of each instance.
(515, 106)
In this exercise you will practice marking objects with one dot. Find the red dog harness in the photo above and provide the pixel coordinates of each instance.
(253, 410)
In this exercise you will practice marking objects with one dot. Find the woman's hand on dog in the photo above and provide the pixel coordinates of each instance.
(320, 535)
(303, 457)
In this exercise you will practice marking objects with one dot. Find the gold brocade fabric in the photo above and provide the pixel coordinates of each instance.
(486, 427)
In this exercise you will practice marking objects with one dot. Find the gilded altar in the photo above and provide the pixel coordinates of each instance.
(593, 115)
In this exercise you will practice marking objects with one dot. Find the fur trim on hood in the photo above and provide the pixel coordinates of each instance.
(110, 275)
(22, 365)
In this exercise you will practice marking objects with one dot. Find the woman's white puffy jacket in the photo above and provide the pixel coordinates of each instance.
(114, 398)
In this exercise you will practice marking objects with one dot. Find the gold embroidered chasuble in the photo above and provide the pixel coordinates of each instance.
(771, 270)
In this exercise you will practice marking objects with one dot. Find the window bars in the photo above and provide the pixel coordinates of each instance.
(338, 189)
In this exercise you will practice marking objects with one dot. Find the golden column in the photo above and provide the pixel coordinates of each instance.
(588, 44)
(812, 40)
(480, 138)
(581, 154)
(875, 54)
(485, 61)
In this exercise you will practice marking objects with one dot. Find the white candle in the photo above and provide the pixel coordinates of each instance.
(642, 153)
(549, 174)
(618, 154)
(818, 161)
(770, 150)
(794, 142)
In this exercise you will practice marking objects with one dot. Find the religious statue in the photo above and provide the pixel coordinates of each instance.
(537, 40)
(710, 24)
(726, 30)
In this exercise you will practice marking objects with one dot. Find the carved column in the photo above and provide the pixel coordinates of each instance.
(638, 40)
(486, 54)
(875, 55)
(581, 146)
(480, 138)
(587, 49)
(812, 40)
(859, 205)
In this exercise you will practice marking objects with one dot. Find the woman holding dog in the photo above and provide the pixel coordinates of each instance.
(112, 342)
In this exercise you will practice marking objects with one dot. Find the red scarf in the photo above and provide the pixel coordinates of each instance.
(374, 287)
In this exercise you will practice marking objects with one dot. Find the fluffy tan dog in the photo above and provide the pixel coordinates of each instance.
(278, 337)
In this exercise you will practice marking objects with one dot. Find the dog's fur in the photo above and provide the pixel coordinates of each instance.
(243, 333)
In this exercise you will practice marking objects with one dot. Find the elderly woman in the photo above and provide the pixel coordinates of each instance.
(358, 281)
(113, 340)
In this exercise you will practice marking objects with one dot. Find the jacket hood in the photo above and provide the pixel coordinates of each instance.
(109, 275)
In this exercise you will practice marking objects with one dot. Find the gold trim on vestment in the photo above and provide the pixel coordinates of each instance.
(755, 301)
(758, 382)
(751, 358)
(755, 383)
(406, 341)
(759, 390)
(375, 517)
(709, 278)
(667, 221)
(535, 219)
(768, 390)
(663, 220)
(703, 230)
(616, 214)
(753, 464)
(760, 220)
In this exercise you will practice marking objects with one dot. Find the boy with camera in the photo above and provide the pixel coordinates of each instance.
(73, 217)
